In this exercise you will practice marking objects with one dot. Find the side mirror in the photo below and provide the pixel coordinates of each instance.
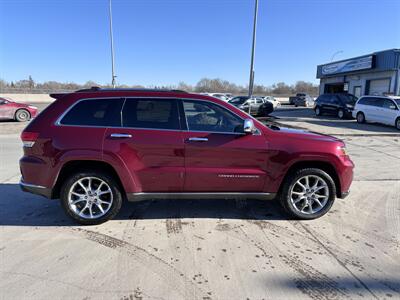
(248, 126)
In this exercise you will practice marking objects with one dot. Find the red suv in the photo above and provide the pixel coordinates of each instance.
(95, 148)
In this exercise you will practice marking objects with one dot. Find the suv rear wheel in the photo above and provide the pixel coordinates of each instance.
(308, 194)
(91, 197)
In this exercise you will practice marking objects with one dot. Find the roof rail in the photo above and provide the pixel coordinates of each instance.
(98, 89)
(92, 89)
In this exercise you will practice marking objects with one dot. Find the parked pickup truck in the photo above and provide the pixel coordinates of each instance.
(298, 96)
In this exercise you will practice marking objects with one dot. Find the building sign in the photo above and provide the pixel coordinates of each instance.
(349, 65)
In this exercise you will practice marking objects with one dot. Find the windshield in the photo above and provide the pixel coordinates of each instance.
(238, 100)
(397, 102)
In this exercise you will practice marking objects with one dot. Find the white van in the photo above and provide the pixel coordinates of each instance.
(378, 109)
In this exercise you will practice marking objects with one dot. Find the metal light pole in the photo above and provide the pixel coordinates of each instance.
(251, 80)
(336, 53)
(113, 76)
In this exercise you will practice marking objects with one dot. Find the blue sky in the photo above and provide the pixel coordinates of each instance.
(161, 42)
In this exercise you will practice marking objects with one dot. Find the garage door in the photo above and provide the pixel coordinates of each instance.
(379, 87)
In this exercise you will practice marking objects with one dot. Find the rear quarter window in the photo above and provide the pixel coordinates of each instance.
(94, 112)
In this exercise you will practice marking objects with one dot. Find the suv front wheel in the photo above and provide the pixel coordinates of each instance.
(360, 117)
(341, 114)
(91, 197)
(308, 194)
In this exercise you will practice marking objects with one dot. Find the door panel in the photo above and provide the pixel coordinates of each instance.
(225, 162)
(6, 110)
(388, 112)
(154, 158)
(218, 158)
(375, 110)
(150, 144)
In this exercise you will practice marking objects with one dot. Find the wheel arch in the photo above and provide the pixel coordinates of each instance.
(323, 165)
(74, 166)
(395, 122)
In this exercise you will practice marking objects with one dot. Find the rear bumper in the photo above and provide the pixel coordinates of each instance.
(35, 189)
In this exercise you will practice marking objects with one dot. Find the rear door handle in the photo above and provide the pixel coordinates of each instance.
(120, 135)
(197, 139)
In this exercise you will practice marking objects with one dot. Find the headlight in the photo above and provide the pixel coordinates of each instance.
(33, 107)
(349, 106)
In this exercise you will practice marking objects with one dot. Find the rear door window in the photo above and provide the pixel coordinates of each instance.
(94, 112)
(149, 113)
(378, 102)
(388, 104)
(371, 101)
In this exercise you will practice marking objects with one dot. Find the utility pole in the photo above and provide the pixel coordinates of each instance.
(253, 48)
(113, 76)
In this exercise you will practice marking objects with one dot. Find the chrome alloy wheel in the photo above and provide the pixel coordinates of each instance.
(90, 198)
(309, 194)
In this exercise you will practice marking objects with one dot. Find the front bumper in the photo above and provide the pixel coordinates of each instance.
(344, 194)
(35, 189)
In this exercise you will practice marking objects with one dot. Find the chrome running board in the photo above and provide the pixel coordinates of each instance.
(133, 197)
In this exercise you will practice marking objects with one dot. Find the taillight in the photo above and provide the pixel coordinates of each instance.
(29, 138)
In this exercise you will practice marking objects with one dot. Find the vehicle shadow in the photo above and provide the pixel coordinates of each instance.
(345, 285)
(8, 121)
(23, 209)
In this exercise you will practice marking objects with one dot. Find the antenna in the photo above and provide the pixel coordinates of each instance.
(113, 76)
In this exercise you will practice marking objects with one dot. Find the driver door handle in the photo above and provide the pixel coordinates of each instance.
(197, 139)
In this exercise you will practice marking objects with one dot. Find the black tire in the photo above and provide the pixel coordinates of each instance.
(397, 123)
(318, 111)
(341, 114)
(360, 117)
(288, 185)
(112, 184)
(22, 115)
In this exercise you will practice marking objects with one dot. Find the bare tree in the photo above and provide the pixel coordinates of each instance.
(204, 85)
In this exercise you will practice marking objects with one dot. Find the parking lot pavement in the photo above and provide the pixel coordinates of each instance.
(305, 118)
(208, 249)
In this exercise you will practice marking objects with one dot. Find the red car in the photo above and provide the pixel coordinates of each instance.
(95, 148)
(10, 110)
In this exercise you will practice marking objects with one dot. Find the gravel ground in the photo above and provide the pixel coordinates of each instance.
(207, 249)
